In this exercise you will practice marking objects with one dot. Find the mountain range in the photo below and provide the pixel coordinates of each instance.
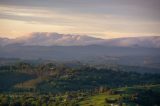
(141, 51)
(56, 39)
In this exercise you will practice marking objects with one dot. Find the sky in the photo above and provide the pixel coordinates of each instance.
(98, 18)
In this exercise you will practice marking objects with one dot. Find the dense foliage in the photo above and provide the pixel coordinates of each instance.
(127, 96)
(60, 78)
(49, 84)
(89, 78)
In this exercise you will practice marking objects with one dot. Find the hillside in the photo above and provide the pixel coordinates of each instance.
(60, 78)
(56, 84)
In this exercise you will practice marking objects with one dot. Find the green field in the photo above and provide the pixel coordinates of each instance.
(99, 99)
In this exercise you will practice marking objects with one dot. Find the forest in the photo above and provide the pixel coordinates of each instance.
(57, 84)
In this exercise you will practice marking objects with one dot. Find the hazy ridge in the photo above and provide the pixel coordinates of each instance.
(55, 39)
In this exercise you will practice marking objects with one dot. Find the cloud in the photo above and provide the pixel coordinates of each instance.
(84, 16)
(124, 7)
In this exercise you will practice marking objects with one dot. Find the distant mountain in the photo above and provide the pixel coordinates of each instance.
(50, 39)
(55, 39)
(5, 41)
(88, 54)
(60, 47)
(151, 42)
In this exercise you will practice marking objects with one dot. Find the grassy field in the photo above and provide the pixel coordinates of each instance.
(134, 89)
(99, 99)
